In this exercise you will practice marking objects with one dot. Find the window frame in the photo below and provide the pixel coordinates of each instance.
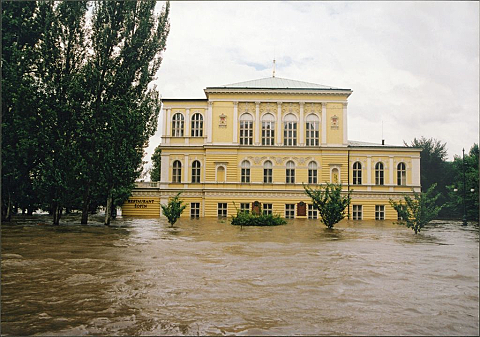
(312, 130)
(245, 172)
(379, 212)
(268, 130)
(197, 125)
(357, 173)
(401, 174)
(178, 125)
(379, 174)
(246, 129)
(290, 172)
(196, 172)
(312, 173)
(177, 172)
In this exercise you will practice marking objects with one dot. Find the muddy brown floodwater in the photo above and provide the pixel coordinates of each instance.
(207, 277)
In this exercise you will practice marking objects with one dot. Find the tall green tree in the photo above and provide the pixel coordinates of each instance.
(417, 211)
(155, 173)
(127, 42)
(62, 50)
(20, 112)
(329, 202)
(434, 168)
(470, 164)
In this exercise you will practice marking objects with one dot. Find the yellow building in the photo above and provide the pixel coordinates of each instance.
(256, 143)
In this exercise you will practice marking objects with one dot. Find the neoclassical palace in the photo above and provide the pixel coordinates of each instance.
(253, 145)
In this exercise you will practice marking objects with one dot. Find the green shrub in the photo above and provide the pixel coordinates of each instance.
(248, 219)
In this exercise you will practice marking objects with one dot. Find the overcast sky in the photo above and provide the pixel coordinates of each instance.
(412, 65)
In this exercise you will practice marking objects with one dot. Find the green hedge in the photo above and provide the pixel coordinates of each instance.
(248, 219)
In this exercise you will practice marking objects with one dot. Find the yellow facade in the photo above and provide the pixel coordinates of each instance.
(261, 141)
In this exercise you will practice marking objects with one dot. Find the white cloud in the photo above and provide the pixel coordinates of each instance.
(412, 65)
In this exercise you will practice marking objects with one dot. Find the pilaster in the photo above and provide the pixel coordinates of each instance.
(235, 122)
(209, 122)
(278, 133)
(302, 125)
(324, 123)
(345, 129)
(257, 124)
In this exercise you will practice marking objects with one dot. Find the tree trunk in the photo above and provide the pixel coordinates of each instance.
(57, 213)
(85, 206)
(108, 209)
(8, 213)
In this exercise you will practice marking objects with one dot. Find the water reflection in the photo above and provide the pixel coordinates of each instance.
(206, 277)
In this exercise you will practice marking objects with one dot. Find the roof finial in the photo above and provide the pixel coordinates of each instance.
(273, 67)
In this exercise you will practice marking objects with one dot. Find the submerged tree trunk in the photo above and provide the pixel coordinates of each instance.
(108, 209)
(85, 206)
(57, 213)
(8, 211)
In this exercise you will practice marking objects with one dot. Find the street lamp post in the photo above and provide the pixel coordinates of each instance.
(464, 220)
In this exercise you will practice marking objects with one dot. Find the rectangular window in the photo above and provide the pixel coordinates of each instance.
(222, 210)
(195, 210)
(290, 175)
(245, 175)
(379, 212)
(245, 207)
(290, 133)
(357, 212)
(312, 133)
(312, 212)
(268, 133)
(312, 176)
(267, 175)
(267, 208)
(246, 132)
(289, 211)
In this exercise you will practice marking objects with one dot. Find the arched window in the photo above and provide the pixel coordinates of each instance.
(267, 172)
(246, 129)
(268, 129)
(177, 172)
(401, 174)
(312, 172)
(197, 125)
(290, 172)
(379, 179)
(245, 174)
(177, 125)
(357, 173)
(196, 171)
(313, 130)
(290, 130)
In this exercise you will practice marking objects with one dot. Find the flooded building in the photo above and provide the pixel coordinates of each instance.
(255, 144)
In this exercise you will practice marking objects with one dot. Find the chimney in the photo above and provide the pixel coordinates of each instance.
(383, 141)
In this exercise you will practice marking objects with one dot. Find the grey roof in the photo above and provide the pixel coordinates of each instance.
(276, 83)
(356, 143)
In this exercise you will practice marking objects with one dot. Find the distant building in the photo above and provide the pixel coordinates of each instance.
(256, 143)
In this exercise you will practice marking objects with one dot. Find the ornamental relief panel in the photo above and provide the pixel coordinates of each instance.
(246, 107)
(290, 108)
(280, 160)
(268, 108)
(312, 108)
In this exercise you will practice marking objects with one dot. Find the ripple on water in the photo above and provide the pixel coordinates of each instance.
(204, 277)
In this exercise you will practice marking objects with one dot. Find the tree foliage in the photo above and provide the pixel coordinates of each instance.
(329, 202)
(80, 107)
(173, 209)
(156, 164)
(457, 187)
(419, 210)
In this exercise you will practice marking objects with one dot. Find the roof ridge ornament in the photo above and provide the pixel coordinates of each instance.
(273, 67)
